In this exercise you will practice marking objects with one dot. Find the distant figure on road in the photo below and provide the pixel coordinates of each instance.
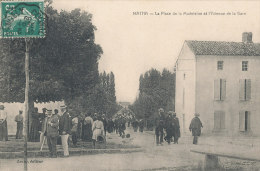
(159, 125)
(195, 127)
(121, 126)
(141, 125)
(3, 124)
(116, 125)
(19, 120)
(135, 125)
(176, 124)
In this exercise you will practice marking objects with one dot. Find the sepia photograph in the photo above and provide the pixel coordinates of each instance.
(129, 85)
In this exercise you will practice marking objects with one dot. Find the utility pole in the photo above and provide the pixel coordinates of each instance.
(26, 116)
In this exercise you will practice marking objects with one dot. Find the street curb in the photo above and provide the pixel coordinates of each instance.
(73, 152)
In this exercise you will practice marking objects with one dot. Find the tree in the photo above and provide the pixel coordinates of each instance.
(156, 90)
(63, 66)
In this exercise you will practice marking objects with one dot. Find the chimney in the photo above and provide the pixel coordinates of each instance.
(247, 37)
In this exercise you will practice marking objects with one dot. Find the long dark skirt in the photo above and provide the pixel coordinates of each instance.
(87, 132)
(3, 131)
(34, 135)
(170, 133)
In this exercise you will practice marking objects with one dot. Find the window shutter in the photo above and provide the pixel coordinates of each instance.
(223, 89)
(217, 89)
(241, 89)
(217, 120)
(242, 121)
(249, 120)
(222, 120)
(248, 89)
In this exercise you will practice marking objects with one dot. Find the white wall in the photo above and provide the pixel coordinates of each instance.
(185, 88)
(207, 72)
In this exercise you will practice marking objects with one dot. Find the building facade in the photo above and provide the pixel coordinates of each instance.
(220, 81)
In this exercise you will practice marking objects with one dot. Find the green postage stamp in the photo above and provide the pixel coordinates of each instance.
(22, 19)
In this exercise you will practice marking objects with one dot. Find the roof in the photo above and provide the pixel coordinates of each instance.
(224, 48)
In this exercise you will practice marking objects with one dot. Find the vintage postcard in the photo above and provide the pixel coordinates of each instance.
(129, 85)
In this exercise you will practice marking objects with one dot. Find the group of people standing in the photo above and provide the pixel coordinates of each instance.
(89, 128)
(138, 124)
(170, 124)
(54, 125)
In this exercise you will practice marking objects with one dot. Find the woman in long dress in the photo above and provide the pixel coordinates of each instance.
(3, 124)
(87, 128)
(34, 135)
(97, 129)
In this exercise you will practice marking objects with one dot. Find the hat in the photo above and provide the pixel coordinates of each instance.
(161, 110)
(20, 111)
(63, 107)
(49, 111)
(197, 114)
(2, 106)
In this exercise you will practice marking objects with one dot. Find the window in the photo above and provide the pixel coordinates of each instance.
(183, 98)
(220, 65)
(244, 65)
(183, 122)
(245, 89)
(219, 89)
(219, 120)
(184, 76)
(244, 121)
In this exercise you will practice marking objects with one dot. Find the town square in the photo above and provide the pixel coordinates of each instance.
(129, 85)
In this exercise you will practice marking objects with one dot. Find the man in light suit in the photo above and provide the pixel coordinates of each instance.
(51, 124)
(64, 129)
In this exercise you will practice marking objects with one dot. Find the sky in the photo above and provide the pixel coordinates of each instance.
(133, 44)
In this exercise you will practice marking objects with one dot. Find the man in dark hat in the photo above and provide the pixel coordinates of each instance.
(64, 129)
(51, 124)
(195, 127)
(159, 125)
(3, 124)
(19, 120)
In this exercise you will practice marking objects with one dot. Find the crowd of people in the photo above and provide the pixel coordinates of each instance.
(57, 128)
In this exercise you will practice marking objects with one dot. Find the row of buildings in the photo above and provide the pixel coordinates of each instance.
(220, 81)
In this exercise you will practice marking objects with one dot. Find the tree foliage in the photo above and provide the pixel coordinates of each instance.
(100, 99)
(63, 66)
(156, 90)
